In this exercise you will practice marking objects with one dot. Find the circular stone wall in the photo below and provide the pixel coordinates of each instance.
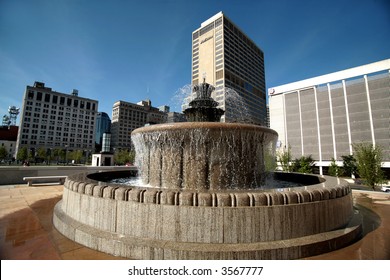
(157, 223)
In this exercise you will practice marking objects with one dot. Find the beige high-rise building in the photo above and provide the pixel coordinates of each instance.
(128, 116)
(228, 59)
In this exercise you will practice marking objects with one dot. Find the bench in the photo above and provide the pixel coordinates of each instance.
(60, 179)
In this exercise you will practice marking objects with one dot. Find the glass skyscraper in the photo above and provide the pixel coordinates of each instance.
(103, 125)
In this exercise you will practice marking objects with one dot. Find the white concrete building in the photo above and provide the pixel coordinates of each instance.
(323, 116)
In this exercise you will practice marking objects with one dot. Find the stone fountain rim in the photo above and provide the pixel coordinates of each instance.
(203, 125)
(328, 188)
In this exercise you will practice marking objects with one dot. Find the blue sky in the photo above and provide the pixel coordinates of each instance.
(137, 49)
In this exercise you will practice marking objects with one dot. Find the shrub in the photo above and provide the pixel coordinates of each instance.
(349, 165)
(369, 162)
(284, 158)
(303, 165)
(334, 169)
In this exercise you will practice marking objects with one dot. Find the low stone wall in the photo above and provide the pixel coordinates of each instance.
(182, 220)
(209, 216)
(14, 174)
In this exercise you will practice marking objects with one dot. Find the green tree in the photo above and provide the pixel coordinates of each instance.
(269, 161)
(49, 156)
(284, 158)
(303, 165)
(334, 169)
(3, 153)
(349, 165)
(22, 154)
(31, 155)
(63, 154)
(77, 156)
(56, 154)
(122, 157)
(41, 153)
(369, 163)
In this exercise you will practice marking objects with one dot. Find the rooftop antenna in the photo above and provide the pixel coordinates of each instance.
(6, 120)
(13, 114)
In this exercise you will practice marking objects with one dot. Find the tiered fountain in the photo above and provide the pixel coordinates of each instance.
(204, 197)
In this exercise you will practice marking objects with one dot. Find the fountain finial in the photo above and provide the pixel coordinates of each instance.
(203, 108)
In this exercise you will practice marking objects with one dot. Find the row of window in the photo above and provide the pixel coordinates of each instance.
(242, 37)
(59, 132)
(74, 144)
(195, 56)
(30, 106)
(72, 138)
(61, 100)
(59, 124)
(219, 53)
(240, 62)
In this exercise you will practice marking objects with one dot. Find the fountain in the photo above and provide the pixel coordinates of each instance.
(203, 197)
(203, 108)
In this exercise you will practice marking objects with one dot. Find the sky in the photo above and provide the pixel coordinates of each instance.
(133, 50)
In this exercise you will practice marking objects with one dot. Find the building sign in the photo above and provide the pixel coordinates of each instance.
(206, 39)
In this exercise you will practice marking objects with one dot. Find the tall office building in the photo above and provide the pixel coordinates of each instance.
(173, 117)
(103, 125)
(128, 116)
(51, 119)
(229, 59)
(325, 115)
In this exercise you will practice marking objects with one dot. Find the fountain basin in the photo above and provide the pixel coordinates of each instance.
(158, 223)
(203, 155)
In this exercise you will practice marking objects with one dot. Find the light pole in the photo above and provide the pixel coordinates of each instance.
(66, 154)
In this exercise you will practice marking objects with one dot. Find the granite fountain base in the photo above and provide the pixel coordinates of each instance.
(156, 223)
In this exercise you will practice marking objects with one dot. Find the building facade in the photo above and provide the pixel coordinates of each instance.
(128, 116)
(229, 59)
(173, 117)
(8, 136)
(323, 116)
(51, 119)
(103, 125)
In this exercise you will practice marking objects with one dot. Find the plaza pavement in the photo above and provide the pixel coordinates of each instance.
(27, 232)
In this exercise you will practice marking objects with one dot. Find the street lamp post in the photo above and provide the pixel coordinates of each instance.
(66, 154)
